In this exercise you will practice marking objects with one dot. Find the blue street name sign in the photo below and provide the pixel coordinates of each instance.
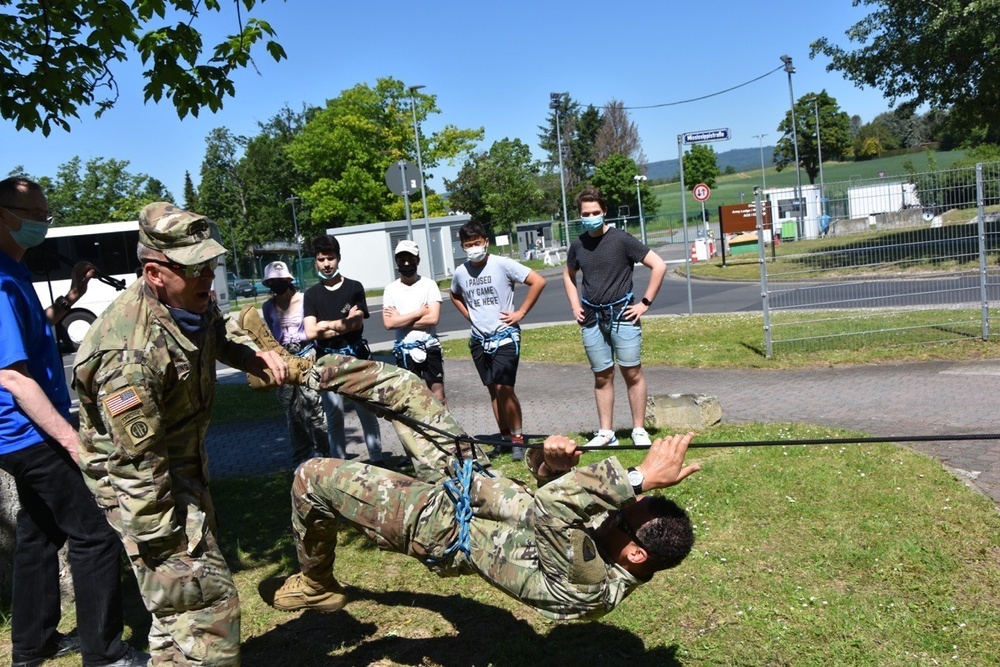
(721, 134)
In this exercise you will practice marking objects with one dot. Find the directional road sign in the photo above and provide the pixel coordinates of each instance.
(722, 134)
(701, 192)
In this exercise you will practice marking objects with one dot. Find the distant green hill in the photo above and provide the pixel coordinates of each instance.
(728, 189)
(740, 159)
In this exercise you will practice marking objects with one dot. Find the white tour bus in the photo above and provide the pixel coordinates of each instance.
(111, 248)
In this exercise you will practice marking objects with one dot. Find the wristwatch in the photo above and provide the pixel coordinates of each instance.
(63, 303)
(636, 478)
(646, 302)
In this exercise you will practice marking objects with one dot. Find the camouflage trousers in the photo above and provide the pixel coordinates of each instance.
(410, 515)
(306, 422)
(193, 601)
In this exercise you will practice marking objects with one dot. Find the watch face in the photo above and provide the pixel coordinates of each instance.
(635, 478)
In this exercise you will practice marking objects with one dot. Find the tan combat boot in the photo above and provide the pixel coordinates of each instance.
(301, 592)
(256, 328)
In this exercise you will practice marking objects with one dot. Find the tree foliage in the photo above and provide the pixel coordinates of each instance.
(190, 193)
(834, 134)
(615, 177)
(500, 187)
(618, 136)
(100, 190)
(700, 166)
(942, 54)
(579, 130)
(56, 57)
(344, 150)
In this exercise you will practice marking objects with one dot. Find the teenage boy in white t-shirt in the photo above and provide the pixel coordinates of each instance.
(411, 306)
(483, 291)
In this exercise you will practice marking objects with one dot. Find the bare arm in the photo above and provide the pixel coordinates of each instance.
(392, 319)
(535, 283)
(573, 294)
(325, 329)
(82, 273)
(30, 397)
(459, 303)
(658, 269)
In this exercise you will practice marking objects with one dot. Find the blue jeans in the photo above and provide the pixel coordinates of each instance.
(56, 507)
(605, 342)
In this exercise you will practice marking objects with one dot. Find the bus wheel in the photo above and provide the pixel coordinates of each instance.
(76, 324)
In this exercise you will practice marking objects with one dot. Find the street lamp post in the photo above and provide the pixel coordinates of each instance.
(555, 100)
(639, 178)
(298, 244)
(423, 190)
(819, 148)
(790, 69)
(763, 178)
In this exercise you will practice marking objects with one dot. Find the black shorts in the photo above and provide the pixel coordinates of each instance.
(430, 370)
(497, 368)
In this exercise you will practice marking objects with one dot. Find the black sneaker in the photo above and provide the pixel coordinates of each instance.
(497, 451)
(517, 453)
(62, 645)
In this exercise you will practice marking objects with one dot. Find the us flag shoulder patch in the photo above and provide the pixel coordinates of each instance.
(124, 400)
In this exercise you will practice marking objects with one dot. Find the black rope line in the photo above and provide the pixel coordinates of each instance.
(472, 440)
(705, 97)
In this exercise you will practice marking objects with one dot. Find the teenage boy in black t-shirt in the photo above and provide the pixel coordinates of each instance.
(334, 312)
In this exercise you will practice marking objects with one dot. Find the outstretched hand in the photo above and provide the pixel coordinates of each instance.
(664, 463)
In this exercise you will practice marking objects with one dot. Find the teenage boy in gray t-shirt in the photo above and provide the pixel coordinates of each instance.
(483, 291)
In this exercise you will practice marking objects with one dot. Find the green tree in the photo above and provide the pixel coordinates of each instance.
(942, 54)
(222, 193)
(616, 179)
(190, 193)
(344, 150)
(700, 166)
(579, 131)
(56, 57)
(101, 190)
(873, 139)
(834, 134)
(499, 188)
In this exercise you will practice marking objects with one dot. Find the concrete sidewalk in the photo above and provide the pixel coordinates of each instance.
(892, 400)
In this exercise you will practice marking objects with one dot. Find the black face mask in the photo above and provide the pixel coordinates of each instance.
(280, 288)
(408, 270)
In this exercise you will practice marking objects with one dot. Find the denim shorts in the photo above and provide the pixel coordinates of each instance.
(606, 342)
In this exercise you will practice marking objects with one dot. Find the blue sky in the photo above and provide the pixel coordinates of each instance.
(491, 64)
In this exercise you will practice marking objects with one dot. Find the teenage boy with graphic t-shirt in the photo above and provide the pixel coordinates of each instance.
(608, 312)
(411, 306)
(483, 291)
(335, 310)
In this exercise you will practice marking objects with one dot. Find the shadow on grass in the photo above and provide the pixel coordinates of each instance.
(481, 635)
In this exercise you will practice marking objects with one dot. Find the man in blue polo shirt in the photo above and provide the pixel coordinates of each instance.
(38, 448)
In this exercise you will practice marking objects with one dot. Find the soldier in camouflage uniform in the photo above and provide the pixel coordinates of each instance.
(145, 376)
(574, 548)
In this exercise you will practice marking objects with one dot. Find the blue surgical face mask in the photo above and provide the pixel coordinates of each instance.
(592, 223)
(329, 276)
(30, 234)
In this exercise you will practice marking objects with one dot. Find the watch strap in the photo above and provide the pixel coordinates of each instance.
(63, 303)
(646, 302)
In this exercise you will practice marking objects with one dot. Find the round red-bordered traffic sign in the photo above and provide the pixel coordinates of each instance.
(701, 192)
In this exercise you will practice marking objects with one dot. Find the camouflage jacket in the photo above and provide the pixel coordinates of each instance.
(146, 391)
(538, 546)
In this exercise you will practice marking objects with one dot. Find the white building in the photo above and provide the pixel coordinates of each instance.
(367, 250)
(785, 213)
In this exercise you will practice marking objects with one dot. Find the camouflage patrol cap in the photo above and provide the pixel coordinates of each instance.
(184, 237)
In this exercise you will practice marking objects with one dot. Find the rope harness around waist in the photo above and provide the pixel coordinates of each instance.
(401, 350)
(610, 312)
(492, 343)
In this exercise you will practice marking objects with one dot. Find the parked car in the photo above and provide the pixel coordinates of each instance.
(240, 286)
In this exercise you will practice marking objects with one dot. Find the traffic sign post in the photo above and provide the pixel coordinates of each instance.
(403, 179)
(701, 192)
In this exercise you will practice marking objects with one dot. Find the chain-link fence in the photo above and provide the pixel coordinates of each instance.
(890, 261)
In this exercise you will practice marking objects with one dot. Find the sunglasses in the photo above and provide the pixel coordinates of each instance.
(189, 270)
(45, 216)
(623, 525)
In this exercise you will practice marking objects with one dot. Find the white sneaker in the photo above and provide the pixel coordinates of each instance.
(603, 438)
(640, 437)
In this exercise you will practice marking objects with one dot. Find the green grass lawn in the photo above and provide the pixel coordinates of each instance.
(848, 555)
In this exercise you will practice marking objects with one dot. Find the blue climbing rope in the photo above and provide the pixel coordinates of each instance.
(491, 343)
(459, 488)
(611, 312)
